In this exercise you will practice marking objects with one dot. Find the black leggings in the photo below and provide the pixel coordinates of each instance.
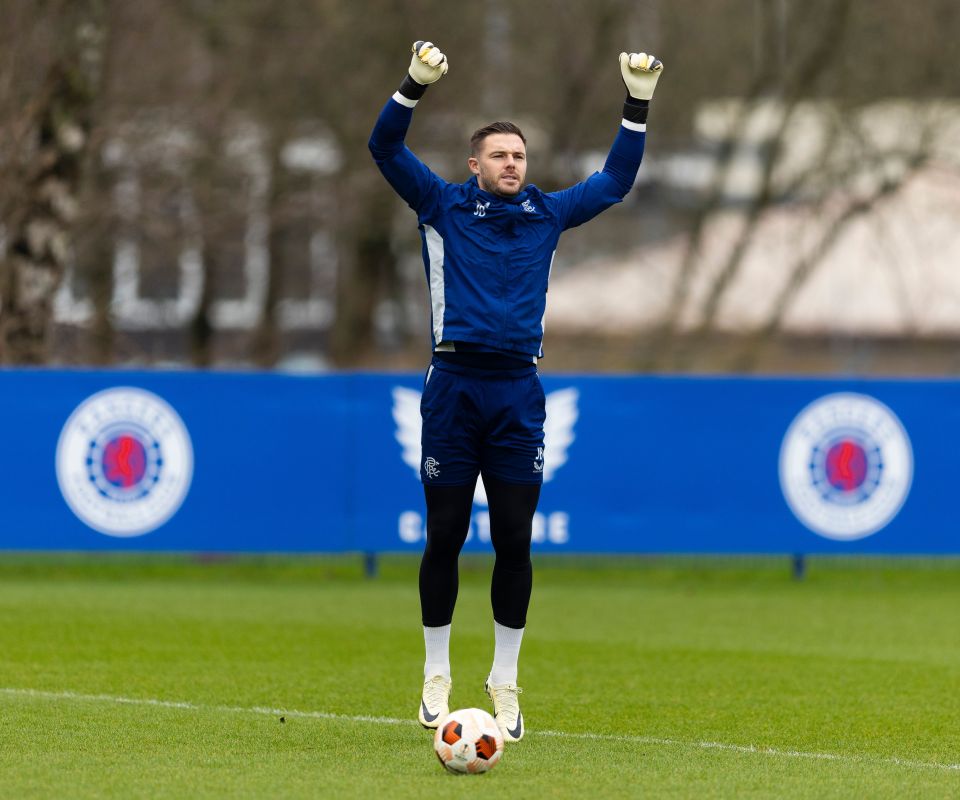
(512, 506)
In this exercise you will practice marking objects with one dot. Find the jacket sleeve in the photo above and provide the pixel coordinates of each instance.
(585, 200)
(407, 174)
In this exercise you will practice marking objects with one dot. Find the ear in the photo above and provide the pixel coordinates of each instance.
(474, 165)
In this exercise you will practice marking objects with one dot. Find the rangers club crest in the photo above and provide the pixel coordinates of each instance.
(846, 466)
(124, 462)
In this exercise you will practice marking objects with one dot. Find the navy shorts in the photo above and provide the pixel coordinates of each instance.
(486, 421)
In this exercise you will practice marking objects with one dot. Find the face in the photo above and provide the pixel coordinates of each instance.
(501, 164)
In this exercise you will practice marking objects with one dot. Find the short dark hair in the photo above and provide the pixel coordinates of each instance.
(494, 127)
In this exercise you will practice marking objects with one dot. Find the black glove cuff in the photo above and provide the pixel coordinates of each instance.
(635, 110)
(411, 89)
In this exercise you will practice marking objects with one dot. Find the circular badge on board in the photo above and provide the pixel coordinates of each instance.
(846, 466)
(124, 461)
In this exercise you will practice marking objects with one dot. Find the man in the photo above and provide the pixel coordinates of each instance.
(488, 246)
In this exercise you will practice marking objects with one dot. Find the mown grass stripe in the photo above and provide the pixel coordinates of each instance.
(363, 718)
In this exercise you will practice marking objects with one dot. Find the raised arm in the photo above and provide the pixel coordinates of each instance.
(582, 202)
(408, 176)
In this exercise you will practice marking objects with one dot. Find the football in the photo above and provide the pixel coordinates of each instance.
(468, 741)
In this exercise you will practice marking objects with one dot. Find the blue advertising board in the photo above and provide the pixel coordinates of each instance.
(237, 462)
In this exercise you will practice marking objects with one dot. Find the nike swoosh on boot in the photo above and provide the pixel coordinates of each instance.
(426, 713)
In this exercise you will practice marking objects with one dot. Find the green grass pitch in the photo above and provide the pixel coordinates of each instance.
(687, 678)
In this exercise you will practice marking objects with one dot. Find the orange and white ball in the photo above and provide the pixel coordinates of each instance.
(468, 741)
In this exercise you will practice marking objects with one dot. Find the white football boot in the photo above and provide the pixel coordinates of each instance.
(435, 701)
(506, 710)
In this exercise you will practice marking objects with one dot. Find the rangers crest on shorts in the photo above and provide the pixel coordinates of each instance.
(846, 466)
(124, 462)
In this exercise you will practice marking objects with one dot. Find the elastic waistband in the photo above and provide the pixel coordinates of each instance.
(481, 372)
(482, 359)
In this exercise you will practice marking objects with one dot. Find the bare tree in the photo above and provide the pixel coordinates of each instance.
(57, 125)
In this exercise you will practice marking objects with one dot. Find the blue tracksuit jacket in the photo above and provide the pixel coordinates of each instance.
(488, 258)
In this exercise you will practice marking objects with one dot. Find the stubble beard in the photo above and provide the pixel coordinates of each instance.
(493, 186)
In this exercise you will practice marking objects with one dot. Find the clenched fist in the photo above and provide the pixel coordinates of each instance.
(640, 72)
(428, 64)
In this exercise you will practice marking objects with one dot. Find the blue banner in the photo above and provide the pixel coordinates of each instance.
(191, 461)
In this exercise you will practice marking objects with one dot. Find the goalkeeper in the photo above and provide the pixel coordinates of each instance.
(488, 246)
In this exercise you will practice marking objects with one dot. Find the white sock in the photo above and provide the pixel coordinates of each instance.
(437, 643)
(506, 653)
